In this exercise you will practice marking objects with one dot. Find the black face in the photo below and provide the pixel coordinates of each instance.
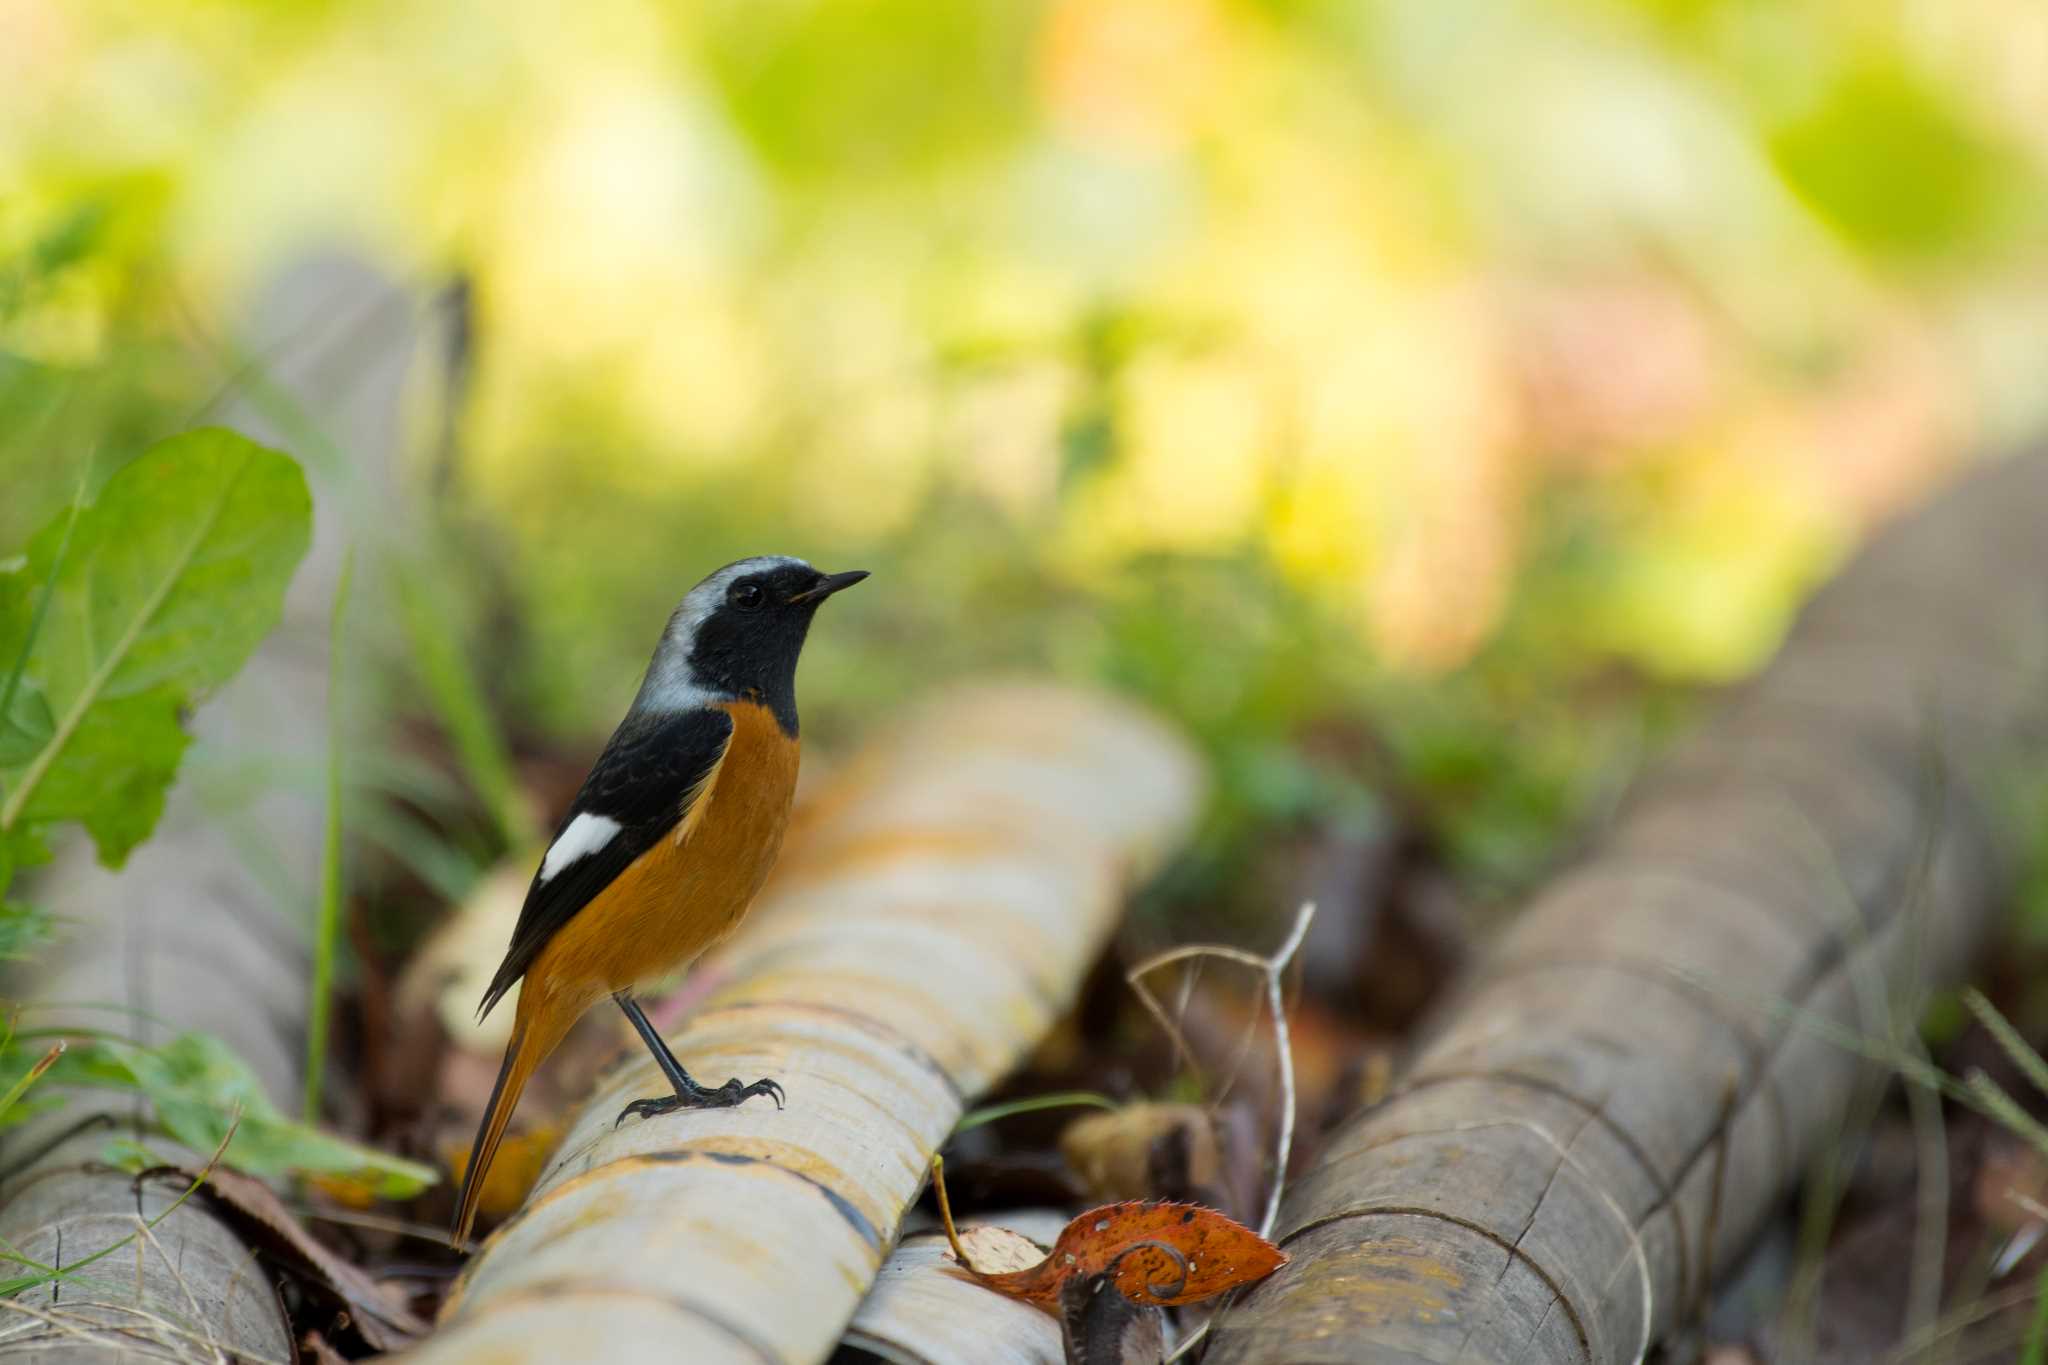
(749, 643)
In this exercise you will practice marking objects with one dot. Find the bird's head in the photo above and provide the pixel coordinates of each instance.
(737, 635)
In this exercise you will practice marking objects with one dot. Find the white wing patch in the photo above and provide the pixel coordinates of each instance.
(585, 835)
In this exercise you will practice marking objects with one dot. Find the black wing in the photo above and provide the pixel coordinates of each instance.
(650, 773)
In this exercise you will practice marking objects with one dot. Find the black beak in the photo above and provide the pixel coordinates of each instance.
(829, 584)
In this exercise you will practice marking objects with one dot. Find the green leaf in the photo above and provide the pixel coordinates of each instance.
(197, 1086)
(1894, 165)
(1064, 1099)
(18, 849)
(22, 927)
(26, 725)
(131, 1157)
(168, 582)
(118, 764)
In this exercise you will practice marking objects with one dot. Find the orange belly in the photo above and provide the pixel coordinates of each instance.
(689, 891)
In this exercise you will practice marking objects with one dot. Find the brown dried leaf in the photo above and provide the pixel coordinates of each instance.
(1156, 1254)
(997, 1250)
(1146, 1151)
(381, 1317)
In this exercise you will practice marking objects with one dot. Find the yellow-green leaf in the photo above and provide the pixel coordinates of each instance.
(165, 585)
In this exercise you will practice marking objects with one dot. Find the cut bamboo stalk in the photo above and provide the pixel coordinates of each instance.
(1656, 1051)
(931, 919)
(923, 1311)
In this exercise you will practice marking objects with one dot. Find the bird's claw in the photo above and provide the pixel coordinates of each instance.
(724, 1097)
(764, 1086)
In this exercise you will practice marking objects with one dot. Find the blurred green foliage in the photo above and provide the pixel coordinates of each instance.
(198, 1091)
(1413, 399)
(1889, 163)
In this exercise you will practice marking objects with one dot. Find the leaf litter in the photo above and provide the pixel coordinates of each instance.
(1155, 1253)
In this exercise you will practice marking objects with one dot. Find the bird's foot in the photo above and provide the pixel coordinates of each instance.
(701, 1097)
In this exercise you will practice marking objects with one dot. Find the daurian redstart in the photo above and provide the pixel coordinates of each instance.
(671, 835)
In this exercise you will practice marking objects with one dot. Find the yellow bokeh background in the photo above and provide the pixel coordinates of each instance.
(1596, 330)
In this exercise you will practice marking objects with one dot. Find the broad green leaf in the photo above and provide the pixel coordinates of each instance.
(26, 725)
(22, 704)
(196, 1086)
(114, 771)
(19, 848)
(169, 580)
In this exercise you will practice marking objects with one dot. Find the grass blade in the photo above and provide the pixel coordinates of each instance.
(29, 1078)
(2030, 1062)
(327, 935)
(2035, 1352)
(1062, 1099)
(459, 703)
(23, 1283)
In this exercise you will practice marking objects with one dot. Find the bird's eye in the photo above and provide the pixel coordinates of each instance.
(746, 596)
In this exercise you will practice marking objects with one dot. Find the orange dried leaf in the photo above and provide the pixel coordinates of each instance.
(994, 1250)
(516, 1171)
(349, 1191)
(1156, 1253)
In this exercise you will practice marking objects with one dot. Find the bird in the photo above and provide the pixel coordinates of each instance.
(668, 840)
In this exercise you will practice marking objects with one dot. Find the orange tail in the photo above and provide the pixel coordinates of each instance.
(512, 1075)
(533, 1037)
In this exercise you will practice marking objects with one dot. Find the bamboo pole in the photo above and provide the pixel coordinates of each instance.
(1657, 1049)
(922, 1310)
(931, 919)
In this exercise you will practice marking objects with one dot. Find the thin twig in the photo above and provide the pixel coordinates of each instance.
(1274, 969)
(148, 1234)
(77, 1325)
(1283, 1047)
(402, 1227)
(946, 1211)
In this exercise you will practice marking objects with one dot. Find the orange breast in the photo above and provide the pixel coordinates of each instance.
(690, 890)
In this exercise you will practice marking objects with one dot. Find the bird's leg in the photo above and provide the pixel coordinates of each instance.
(688, 1094)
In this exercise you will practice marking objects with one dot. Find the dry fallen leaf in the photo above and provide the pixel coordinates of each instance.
(996, 1249)
(349, 1191)
(380, 1314)
(1156, 1253)
(520, 1162)
(1147, 1151)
